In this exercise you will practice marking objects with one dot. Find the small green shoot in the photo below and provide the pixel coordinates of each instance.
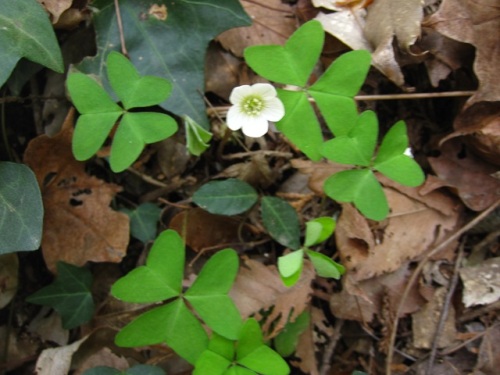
(173, 323)
(246, 355)
(197, 137)
(290, 265)
(99, 113)
(69, 295)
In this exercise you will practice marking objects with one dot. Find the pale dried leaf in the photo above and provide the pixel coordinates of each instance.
(49, 327)
(425, 321)
(104, 357)
(79, 226)
(57, 360)
(259, 287)
(481, 283)
(56, 7)
(273, 23)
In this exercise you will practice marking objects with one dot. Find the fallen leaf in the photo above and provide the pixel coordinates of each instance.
(57, 360)
(458, 168)
(273, 23)
(476, 22)
(425, 321)
(49, 327)
(21, 348)
(79, 225)
(56, 7)
(480, 126)
(201, 229)
(367, 252)
(489, 353)
(481, 283)
(259, 288)
(103, 357)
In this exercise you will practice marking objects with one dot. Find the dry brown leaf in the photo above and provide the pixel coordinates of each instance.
(317, 172)
(480, 124)
(220, 63)
(367, 252)
(476, 22)
(79, 226)
(259, 287)
(489, 353)
(56, 7)
(364, 300)
(201, 229)
(458, 168)
(273, 23)
(256, 171)
(103, 357)
(49, 327)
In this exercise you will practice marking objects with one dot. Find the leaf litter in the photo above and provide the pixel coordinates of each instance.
(460, 154)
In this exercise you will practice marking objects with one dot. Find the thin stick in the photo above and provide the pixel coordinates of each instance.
(277, 154)
(268, 7)
(444, 312)
(417, 271)
(120, 28)
(334, 339)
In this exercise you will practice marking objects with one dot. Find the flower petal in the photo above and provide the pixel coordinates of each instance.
(265, 90)
(239, 93)
(255, 127)
(274, 110)
(235, 119)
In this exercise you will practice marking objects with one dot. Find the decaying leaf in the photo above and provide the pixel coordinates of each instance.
(489, 353)
(273, 23)
(259, 288)
(425, 321)
(201, 229)
(79, 225)
(481, 283)
(476, 22)
(57, 360)
(9, 270)
(458, 168)
(56, 7)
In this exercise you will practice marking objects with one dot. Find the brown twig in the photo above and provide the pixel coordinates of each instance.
(416, 273)
(444, 312)
(334, 339)
(120, 28)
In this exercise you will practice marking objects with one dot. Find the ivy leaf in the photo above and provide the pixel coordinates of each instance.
(292, 63)
(69, 295)
(197, 138)
(392, 162)
(162, 47)
(318, 230)
(226, 197)
(281, 221)
(21, 209)
(160, 278)
(360, 187)
(26, 31)
(325, 266)
(335, 89)
(210, 289)
(358, 145)
(300, 123)
(143, 221)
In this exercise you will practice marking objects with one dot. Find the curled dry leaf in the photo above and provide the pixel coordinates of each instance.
(489, 352)
(481, 283)
(56, 8)
(273, 23)
(259, 288)
(79, 226)
(458, 168)
(478, 23)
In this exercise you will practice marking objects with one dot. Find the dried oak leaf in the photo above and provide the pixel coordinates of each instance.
(259, 288)
(476, 22)
(471, 177)
(79, 225)
(273, 23)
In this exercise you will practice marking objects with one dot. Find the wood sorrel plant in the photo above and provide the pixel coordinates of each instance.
(355, 134)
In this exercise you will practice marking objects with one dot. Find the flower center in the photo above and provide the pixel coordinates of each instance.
(252, 105)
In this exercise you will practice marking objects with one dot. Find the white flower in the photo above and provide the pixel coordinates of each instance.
(252, 109)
